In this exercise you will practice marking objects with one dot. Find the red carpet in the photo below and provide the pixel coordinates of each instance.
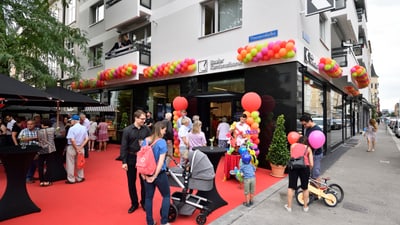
(103, 198)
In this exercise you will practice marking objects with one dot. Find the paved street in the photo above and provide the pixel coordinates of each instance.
(370, 180)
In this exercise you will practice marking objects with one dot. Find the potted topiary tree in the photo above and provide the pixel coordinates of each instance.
(278, 154)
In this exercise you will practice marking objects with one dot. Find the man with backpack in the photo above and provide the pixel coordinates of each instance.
(132, 135)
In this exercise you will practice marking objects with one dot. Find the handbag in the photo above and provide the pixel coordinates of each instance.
(298, 163)
(80, 161)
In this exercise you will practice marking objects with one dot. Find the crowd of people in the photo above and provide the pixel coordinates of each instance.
(77, 130)
(82, 135)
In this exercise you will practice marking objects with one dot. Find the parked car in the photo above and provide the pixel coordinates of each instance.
(336, 124)
(320, 122)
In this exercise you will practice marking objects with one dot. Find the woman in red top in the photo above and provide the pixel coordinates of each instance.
(296, 150)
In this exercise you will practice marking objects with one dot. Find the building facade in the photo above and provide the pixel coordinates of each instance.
(212, 52)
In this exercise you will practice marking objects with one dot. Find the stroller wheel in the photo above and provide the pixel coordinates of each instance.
(172, 213)
(201, 219)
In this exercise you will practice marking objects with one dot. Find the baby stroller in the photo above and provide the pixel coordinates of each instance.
(197, 174)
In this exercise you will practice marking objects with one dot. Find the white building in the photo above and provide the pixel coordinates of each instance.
(211, 36)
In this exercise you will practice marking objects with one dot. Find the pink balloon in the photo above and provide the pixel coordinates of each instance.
(316, 139)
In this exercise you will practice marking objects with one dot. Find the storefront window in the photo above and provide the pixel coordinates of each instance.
(313, 100)
(336, 118)
(160, 100)
(232, 85)
(122, 101)
(314, 105)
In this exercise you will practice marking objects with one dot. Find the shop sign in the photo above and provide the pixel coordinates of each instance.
(219, 64)
(269, 34)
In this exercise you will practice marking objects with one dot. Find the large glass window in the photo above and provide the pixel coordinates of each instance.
(221, 15)
(160, 100)
(335, 117)
(122, 101)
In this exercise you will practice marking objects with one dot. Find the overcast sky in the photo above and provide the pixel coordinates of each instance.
(383, 26)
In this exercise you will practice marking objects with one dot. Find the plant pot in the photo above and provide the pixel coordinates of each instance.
(277, 170)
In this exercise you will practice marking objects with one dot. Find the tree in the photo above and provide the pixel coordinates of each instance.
(32, 39)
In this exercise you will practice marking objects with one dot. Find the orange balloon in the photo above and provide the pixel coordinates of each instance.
(249, 120)
(254, 126)
(293, 137)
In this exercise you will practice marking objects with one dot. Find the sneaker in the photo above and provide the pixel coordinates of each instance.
(287, 208)
(305, 209)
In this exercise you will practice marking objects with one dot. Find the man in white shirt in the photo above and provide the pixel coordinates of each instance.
(86, 123)
(222, 131)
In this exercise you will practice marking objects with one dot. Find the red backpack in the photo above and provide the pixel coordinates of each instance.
(145, 161)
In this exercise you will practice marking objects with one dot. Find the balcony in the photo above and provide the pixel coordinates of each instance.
(120, 13)
(137, 53)
(345, 21)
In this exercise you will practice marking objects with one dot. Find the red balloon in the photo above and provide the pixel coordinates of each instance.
(251, 101)
(180, 103)
(293, 137)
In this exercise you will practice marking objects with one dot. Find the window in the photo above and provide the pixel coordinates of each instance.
(97, 12)
(322, 27)
(95, 56)
(141, 35)
(221, 15)
(70, 12)
(340, 4)
(70, 47)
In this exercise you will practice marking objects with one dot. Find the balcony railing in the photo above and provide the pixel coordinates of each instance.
(143, 49)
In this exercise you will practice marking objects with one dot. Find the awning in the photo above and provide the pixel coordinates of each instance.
(108, 108)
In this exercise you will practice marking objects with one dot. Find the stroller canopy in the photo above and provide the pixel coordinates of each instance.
(200, 166)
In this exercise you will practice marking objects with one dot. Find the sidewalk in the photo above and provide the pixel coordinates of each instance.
(370, 181)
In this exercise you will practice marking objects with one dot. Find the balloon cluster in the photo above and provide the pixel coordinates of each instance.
(266, 51)
(179, 103)
(170, 68)
(351, 90)
(88, 83)
(359, 74)
(316, 139)
(251, 102)
(330, 67)
(123, 71)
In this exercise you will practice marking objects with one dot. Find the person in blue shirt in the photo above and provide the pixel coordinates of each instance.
(248, 171)
(310, 126)
(159, 179)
